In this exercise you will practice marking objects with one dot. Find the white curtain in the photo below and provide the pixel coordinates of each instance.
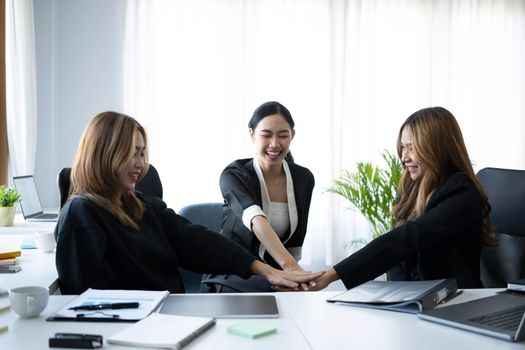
(21, 86)
(349, 71)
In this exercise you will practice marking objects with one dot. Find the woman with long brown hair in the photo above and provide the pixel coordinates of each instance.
(111, 237)
(442, 215)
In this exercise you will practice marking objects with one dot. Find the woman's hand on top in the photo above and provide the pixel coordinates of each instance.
(295, 280)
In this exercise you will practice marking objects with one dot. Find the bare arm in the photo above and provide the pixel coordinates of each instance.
(271, 242)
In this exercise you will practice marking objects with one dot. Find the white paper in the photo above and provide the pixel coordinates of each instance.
(148, 301)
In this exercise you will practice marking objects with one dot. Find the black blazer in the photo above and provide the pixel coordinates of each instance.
(241, 189)
(444, 242)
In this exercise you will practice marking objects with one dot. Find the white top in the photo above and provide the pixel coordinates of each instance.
(279, 218)
(254, 210)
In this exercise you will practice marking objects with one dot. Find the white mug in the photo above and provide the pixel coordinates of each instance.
(28, 302)
(45, 240)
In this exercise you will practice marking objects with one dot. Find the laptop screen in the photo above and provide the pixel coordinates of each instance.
(30, 203)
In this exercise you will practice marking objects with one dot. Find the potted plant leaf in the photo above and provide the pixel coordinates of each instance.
(8, 197)
(372, 190)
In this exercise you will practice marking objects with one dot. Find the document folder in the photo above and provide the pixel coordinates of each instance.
(404, 296)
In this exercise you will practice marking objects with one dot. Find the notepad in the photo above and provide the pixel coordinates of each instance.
(252, 330)
(163, 331)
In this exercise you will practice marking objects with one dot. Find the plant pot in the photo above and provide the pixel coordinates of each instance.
(7, 215)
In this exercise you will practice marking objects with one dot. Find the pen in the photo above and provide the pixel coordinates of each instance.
(194, 335)
(132, 305)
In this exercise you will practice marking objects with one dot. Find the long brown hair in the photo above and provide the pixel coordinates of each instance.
(107, 144)
(438, 143)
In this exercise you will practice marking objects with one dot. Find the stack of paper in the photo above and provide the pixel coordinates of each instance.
(8, 262)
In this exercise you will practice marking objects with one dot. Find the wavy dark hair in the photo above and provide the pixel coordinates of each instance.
(439, 146)
(108, 142)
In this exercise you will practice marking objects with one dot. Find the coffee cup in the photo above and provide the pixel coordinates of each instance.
(28, 302)
(45, 240)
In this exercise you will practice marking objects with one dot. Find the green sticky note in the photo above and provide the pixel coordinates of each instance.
(252, 330)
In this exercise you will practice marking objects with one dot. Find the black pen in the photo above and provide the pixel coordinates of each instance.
(132, 305)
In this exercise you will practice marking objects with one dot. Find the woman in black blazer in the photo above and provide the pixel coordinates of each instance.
(267, 198)
(442, 216)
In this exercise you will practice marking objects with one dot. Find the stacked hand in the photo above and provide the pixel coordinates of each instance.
(288, 280)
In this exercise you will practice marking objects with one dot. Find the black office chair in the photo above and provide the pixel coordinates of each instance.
(505, 189)
(205, 214)
(150, 184)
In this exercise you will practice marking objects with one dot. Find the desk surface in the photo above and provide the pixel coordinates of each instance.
(307, 322)
(37, 268)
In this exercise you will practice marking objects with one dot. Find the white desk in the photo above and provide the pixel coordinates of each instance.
(34, 333)
(37, 268)
(307, 322)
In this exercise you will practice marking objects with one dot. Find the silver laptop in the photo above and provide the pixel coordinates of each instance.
(221, 305)
(30, 204)
(501, 316)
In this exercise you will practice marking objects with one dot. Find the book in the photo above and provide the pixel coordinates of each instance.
(516, 285)
(404, 296)
(163, 331)
(92, 306)
(10, 268)
(6, 254)
(8, 261)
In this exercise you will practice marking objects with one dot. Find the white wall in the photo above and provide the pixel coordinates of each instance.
(79, 74)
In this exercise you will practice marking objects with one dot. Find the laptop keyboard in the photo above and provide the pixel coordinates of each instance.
(508, 319)
(47, 216)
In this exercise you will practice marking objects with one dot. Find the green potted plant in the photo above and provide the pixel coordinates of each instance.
(8, 197)
(372, 190)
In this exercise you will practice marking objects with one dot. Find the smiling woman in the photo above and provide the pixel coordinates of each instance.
(442, 213)
(267, 198)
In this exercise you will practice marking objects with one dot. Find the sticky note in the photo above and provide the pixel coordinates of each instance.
(252, 330)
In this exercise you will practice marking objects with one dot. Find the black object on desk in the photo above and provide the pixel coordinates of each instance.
(75, 340)
(132, 305)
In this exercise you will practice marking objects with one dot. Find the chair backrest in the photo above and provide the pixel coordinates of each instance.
(505, 189)
(210, 216)
(205, 214)
(150, 184)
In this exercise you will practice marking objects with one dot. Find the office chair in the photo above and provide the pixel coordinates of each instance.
(205, 214)
(150, 184)
(505, 189)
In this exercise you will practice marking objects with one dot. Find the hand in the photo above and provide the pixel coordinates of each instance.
(286, 280)
(325, 279)
(293, 266)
